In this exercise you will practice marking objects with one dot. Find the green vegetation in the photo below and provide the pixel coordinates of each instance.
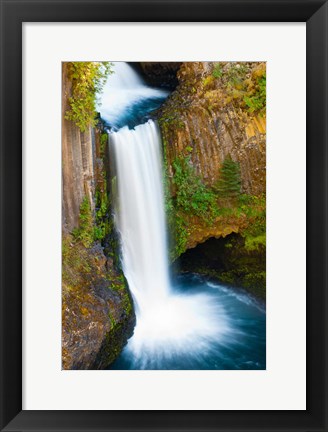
(75, 261)
(257, 100)
(255, 234)
(229, 183)
(192, 198)
(192, 195)
(171, 118)
(85, 232)
(101, 228)
(193, 203)
(239, 84)
(92, 229)
(217, 71)
(88, 79)
(103, 143)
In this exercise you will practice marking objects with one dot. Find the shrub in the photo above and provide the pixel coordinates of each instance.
(85, 232)
(256, 102)
(217, 71)
(192, 195)
(88, 79)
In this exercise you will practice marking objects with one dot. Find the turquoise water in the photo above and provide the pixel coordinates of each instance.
(241, 344)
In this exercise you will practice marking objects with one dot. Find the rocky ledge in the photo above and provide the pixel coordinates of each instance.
(97, 312)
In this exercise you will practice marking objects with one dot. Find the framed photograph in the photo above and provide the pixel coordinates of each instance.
(164, 215)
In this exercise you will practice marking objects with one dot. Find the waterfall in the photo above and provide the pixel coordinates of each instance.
(168, 323)
(140, 213)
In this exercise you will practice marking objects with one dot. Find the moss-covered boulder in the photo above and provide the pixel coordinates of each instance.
(97, 310)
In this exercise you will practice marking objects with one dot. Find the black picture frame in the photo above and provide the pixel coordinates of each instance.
(13, 14)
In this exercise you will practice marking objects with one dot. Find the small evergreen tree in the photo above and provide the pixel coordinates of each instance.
(229, 183)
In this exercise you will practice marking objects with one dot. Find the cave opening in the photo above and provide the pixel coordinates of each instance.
(228, 260)
(158, 74)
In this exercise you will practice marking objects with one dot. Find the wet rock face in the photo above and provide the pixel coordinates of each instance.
(227, 260)
(97, 312)
(160, 74)
(205, 118)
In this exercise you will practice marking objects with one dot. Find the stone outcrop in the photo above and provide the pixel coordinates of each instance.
(97, 311)
(206, 119)
(213, 116)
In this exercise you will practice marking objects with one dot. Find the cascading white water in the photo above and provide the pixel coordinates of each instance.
(123, 89)
(168, 323)
(140, 213)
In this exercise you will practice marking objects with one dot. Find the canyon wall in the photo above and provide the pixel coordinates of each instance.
(78, 156)
(217, 113)
(206, 119)
(97, 310)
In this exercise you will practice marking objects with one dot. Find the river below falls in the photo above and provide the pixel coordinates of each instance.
(240, 343)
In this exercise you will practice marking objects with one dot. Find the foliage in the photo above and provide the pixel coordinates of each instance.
(75, 262)
(254, 208)
(192, 198)
(208, 81)
(103, 142)
(217, 71)
(257, 100)
(229, 183)
(241, 84)
(85, 232)
(255, 234)
(192, 195)
(89, 230)
(102, 226)
(88, 79)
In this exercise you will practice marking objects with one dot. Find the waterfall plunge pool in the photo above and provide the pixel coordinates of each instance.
(231, 332)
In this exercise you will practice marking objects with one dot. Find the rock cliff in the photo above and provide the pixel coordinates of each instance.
(97, 310)
(207, 119)
(217, 114)
(77, 161)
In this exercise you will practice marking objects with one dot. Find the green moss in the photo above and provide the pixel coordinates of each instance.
(76, 263)
(255, 233)
(170, 118)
